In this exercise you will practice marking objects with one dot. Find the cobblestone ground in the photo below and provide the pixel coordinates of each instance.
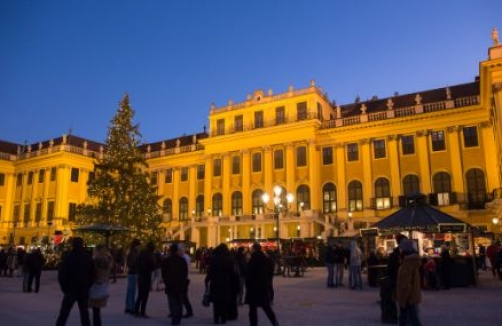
(299, 301)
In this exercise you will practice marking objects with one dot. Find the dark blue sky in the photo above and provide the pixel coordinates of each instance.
(66, 64)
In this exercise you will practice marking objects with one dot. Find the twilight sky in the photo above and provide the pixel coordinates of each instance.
(66, 64)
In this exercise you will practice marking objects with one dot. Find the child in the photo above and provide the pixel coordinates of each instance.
(430, 271)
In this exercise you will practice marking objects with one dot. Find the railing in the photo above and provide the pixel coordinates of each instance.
(436, 106)
(404, 112)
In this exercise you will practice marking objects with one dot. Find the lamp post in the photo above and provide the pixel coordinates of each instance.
(278, 207)
(495, 221)
(49, 224)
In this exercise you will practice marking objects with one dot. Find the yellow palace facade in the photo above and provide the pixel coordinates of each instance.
(337, 168)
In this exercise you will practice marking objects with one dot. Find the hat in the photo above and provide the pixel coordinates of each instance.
(406, 246)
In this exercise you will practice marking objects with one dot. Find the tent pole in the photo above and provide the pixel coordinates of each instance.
(473, 255)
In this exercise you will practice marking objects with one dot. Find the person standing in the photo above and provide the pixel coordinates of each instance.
(329, 260)
(35, 262)
(444, 268)
(174, 273)
(75, 278)
(3, 262)
(11, 260)
(240, 260)
(259, 273)
(388, 304)
(145, 265)
(186, 300)
(132, 276)
(408, 290)
(339, 257)
(491, 251)
(356, 254)
(220, 280)
(482, 257)
(103, 263)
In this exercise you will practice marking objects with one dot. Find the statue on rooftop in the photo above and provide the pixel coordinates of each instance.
(495, 37)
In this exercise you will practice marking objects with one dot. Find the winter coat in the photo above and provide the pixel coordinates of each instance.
(35, 262)
(259, 274)
(132, 268)
(408, 290)
(102, 266)
(222, 277)
(76, 273)
(174, 274)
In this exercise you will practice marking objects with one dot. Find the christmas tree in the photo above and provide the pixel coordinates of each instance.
(121, 194)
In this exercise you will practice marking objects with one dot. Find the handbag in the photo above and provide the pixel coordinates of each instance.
(98, 291)
(206, 299)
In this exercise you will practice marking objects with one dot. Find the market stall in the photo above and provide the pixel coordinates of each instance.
(431, 229)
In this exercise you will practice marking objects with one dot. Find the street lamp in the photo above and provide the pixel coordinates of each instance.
(495, 221)
(278, 207)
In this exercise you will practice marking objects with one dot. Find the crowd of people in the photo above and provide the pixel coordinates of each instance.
(233, 278)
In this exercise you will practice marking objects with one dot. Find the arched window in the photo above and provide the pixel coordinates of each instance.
(355, 196)
(329, 198)
(199, 206)
(476, 188)
(167, 210)
(183, 209)
(237, 203)
(257, 202)
(410, 185)
(382, 194)
(217, 205)
(303, 197)
(442, 189)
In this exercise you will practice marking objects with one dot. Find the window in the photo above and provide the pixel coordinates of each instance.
(476, 189)
(410, 185)
(278, 159)
(329, 198)
(19, 180)
(238, 123)
(236, 164)
(301, 156)
(379, 148)
(199, 206)
(92, 176)
(319, 111)
(258, 119)
(438, 143)
(217, 204)
(303, 197)
(301, 111)
(50, 211)
(327, 155)
(2, 179)
(74, 174)
(442, 182)
(72, 212)
(183, 209)
(27, 212)
(217, 167)
(352, 152)
(53, 174)
(168, 178)
(167, 210)
(257, 202)
(30, 177)
(153, 178)
(38, 212)
(408, 145)
(41, 176)
(201, 172)
(184, 174)
(16, 214)
(382, 194)
(256, 162)
(280, 115)
(237, 203)
(470, 136)
(220, 127)
(355, 196)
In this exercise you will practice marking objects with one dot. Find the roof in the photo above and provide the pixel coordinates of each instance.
(401, 101)
(172, 143)
(418, 216)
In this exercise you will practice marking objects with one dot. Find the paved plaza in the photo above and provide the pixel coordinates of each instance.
(299, 301)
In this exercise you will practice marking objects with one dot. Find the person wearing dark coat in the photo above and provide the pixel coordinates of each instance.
(222, 281)
(145, 265)
(132, 276)
(259, 274)
(36, 262)
(75, 277)
(175, 275)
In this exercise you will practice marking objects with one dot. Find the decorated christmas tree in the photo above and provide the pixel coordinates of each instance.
(121, 194)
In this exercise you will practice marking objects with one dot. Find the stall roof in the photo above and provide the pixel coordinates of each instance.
(418, 216)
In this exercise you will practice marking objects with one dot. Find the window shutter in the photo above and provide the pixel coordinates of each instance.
(402, 201)
(433, 199)
(453, 198)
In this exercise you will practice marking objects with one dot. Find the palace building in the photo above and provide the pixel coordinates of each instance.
(287, 165)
